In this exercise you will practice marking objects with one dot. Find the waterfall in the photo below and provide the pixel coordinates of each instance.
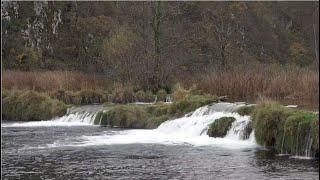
(75, 116)
(197, 123)
(190, 129)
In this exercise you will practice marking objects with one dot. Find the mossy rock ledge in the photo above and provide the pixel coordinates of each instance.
(220, 127)
(286, 130)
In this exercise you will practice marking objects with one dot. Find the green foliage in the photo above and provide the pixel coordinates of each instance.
(31, 106)
(268, 121)
(158, 109)
(161, 95)
(245, 110)
(287, 130)
(89, 97)
(142, 96)
(220, 127)
(97, 119)
(126, 116)
(80, 97)
(149, 116)
(191, 103)
(155, 121)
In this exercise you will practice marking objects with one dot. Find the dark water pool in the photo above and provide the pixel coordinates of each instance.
(23, 159)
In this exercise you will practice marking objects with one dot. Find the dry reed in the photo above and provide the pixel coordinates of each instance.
(52, 80)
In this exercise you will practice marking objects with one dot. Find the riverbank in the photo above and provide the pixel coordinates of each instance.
(288, 85)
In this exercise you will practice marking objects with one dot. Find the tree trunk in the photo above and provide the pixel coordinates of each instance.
(156, 30)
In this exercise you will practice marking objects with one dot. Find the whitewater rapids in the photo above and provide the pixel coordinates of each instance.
(188, 130)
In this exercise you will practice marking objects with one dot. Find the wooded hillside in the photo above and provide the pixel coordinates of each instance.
(154, 43)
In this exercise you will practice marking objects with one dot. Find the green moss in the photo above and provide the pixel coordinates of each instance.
(220, 127)
(97, 119)
(31, 106)
(155, 121)
(287, 130)
(149, 116)
(268, 122)
(158, 109)
(190, 103)
(245, 110)
(126, 116)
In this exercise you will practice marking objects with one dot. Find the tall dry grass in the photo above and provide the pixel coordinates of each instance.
(53, 80)
(291, 84)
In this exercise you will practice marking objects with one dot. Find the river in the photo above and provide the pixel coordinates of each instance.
(176, 150)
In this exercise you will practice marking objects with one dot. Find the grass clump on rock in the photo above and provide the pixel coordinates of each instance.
(150, 116)
(245, 110)
(220, 127)
(123, 116)
(286, 130)
(190, 103)
(31, 106)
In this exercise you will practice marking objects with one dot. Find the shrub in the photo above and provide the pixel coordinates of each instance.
(142, 96)
(179, 93)
(220, 127)
(161, 95)
(89, 97)
(31, 106)
(245, 110)
(122, 94)
(80, 97)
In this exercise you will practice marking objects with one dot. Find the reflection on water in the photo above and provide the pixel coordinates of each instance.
(23, 160)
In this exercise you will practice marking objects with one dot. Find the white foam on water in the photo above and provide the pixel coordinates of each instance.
(186, 130)
(76, 116)
(76, 119)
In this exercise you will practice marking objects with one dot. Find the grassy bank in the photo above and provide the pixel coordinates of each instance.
(30, 106)
(288, 84)
(287, 130)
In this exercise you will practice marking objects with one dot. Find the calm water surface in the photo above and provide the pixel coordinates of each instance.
(26, 155)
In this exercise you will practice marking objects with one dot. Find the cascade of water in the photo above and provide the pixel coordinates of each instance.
(284, 134)
(297, 145)
(197, 123)
(76, 116)
(309, 144)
